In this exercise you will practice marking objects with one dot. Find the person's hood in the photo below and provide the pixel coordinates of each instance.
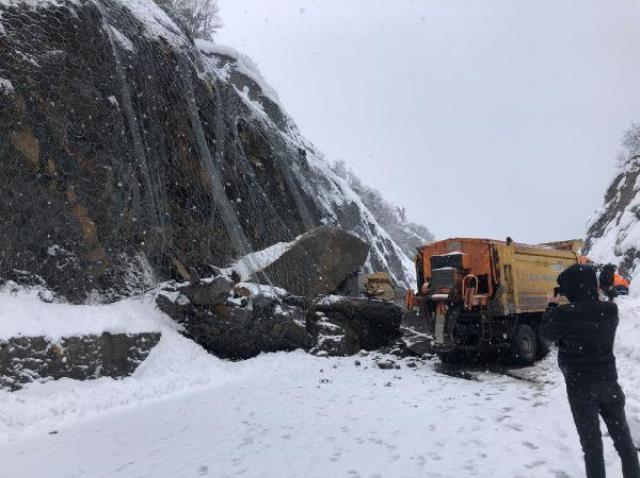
(579, 283)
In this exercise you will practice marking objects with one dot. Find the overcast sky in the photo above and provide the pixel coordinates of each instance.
(482, 117)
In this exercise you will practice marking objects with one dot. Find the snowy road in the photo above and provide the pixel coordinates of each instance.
(294, 415)
(187, 414)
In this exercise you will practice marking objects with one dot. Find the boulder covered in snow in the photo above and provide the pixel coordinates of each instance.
(250, 320)
(30, 359)
(346, 325)
(316, 263)
(241, 333)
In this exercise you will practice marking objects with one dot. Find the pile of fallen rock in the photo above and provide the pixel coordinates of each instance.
(305, 298)
(242, 320)
(308, 294)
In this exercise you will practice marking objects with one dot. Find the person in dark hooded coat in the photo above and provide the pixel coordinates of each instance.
(585, 331)
(607, 279)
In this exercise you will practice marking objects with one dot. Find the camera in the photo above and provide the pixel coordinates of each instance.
(557, 291)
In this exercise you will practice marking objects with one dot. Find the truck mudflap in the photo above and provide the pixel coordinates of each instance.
(444, 326)
(439, 326)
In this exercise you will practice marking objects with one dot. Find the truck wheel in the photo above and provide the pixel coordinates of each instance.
(543, 345)
(524, 345)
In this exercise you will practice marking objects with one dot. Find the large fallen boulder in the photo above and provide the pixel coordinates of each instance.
(241, 333)
(249, 320)
(31, 359)
(316, 263)
(346, 325)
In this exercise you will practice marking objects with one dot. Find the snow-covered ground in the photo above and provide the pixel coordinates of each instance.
(187, 414)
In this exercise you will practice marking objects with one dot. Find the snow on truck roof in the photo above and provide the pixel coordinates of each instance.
(555, 245)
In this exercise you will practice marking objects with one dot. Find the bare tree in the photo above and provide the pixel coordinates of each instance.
(630, 146)
(200, 17)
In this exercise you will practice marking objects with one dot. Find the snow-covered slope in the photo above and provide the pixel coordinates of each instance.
(614, 230)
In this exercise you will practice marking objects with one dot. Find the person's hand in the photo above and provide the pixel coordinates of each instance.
(552, 299)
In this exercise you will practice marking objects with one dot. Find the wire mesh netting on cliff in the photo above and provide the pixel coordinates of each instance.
(131, 154)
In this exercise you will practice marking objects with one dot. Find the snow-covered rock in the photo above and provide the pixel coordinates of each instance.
(86, 357)
(41, 339)
(614, 230)
(239, 323)
(255, 318)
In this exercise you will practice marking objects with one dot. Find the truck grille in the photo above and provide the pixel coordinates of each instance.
(445, 278)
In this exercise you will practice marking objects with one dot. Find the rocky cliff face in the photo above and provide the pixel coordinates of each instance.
(614, 230)
(128, 152)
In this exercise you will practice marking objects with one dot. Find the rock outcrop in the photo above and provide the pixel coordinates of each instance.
(29, 359)
(131, 155)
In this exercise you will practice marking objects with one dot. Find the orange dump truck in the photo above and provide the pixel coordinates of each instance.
(482, 295)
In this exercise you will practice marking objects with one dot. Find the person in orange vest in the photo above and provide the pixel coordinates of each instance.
(611, 283)
(620, 284)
